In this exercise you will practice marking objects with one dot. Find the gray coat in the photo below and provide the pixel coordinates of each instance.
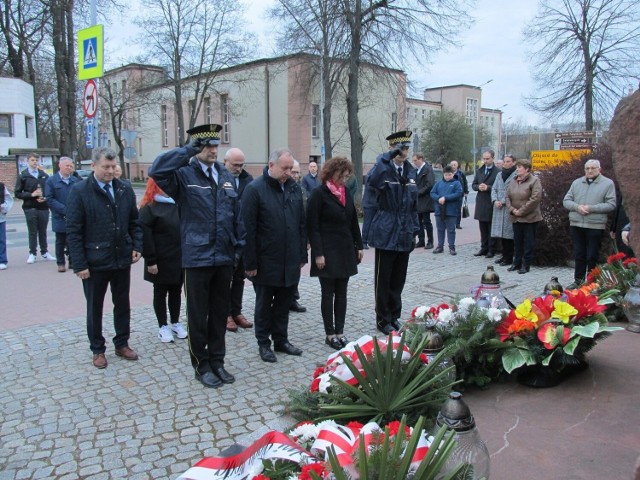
(501, 227)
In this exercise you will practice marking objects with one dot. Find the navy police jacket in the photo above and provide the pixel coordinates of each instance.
(395, 223)
(211, 230)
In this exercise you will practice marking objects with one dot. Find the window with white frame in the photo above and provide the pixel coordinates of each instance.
(30, 127)
(226, 117)
(207, 110)
(165, 125)
(315, 121)
(472, 110)
(394, 121)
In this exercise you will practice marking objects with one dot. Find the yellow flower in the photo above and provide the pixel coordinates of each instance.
(524, 312)
(563, 311)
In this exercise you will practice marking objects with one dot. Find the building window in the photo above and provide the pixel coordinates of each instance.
(315, 121)
(29, 127)
(424, 114)
(139, 146)
(6, 125)
(472, 110)
(165, 126)
(226, 135)
(394, 121)
(407, 110)
(207, 110)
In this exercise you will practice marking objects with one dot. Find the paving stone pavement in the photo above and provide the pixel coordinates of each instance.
(61, 418)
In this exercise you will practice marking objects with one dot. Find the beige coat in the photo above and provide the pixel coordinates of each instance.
(525, 196)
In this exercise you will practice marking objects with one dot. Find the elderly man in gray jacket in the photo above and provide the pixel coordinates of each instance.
(589, 200)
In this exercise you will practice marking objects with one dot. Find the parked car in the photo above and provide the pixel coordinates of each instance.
(83, 173)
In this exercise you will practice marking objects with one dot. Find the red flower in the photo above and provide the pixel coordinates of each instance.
(305, 474)
(319, 371)
(630, 261)
(261, 477)
(543, 307)
(315, 385)
(355, 427)
(585, 303)
(615, 257)
(592, 276)
(413, 312)
(513, 326)
(547, 335)
(394, 427)
(423, 358)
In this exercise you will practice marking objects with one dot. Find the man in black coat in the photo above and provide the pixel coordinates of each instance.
(104, 240)
(425, 181)
(234, 162)
(482, 183)
(276, 250)
(30, 187)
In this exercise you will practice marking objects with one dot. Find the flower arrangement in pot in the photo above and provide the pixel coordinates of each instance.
(549, 337)
(611, 281)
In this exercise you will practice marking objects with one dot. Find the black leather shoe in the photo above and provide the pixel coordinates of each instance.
(396, 325)
(288, 349)
(208, 379)
(500, 260)
(296, 307)
(343, 340)
(452, 251)
(387, 328)
(438, 250)
(490, 255)
(504, 263)
(458, 227)
(513, 268)
(480, 253)
(420, 245)
(333, 342)
(267, 355)
(428, 246)
(223, 375)
(524, 269)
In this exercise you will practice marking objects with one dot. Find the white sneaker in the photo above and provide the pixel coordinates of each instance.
(165, 335)
(48, 256)
(32, 258)
(3, 266)
(179, 330)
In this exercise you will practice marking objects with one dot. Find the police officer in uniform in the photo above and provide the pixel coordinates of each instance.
(212, 237)
(393, 227)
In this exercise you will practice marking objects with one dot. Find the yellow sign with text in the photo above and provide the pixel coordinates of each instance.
(543, 159)
(90, 52)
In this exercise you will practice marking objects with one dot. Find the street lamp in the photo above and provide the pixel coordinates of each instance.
(506, 137)
(475, 122)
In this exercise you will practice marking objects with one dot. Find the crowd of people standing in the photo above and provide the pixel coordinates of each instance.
(204, 228)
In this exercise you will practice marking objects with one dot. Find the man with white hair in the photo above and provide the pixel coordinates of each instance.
(589, 200)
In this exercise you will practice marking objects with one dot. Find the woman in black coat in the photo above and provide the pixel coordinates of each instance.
(162, 258)
(336, 244)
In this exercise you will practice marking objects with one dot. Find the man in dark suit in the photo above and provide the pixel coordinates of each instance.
(275, 252)
(482, 183)
(425, 180)
(234, 162)
(104, 240)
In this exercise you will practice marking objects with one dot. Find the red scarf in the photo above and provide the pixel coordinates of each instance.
(338, 191)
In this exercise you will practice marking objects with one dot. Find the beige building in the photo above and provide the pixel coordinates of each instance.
(262, 105)
(463, 99)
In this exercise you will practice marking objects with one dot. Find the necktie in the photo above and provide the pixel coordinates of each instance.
(210, 174)
(107, 188)
(400, 171)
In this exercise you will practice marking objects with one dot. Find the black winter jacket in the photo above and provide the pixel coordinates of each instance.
(102, 233)
(26, 184)
(276, 231)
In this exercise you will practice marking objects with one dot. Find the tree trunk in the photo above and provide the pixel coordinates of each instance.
(353, 121)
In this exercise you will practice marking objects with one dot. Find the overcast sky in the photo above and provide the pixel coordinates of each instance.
(492, 49)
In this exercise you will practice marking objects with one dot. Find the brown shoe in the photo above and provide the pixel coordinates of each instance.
(61, 269)
(126, 353)
(242, 321)
(99, 360)
(231, 325)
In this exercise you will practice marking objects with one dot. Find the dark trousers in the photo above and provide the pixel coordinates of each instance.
(3, 243)
(237, 290)
(425, 223)
(37, 223)
(160, 295)
(207, 292)
(61, 247)
(507, 249)
(390, 276)
(486, 241)
(446, 224)
(95, 288)
(366, 223)
(271, 316)
(524, 239)
(586, 250)
(333, 304)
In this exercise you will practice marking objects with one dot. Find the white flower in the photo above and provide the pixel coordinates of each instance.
(325, 382)
(421, 311)
(495, 314)
(465, 305)
(305, 432)
(446, 316)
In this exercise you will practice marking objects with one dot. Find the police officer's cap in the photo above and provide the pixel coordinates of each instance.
(208, 134)
(400, 139)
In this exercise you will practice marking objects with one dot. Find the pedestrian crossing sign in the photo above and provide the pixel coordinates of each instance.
(90, 53)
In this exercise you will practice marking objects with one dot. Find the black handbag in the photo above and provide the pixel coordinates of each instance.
(465, 208)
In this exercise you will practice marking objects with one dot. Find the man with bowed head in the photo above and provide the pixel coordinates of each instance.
(104, 240)
(483, 183)
(589, 200)
(393, 227)
(276, 250)
(311, 181)
(212, 237)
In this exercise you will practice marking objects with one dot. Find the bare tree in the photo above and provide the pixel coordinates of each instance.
(195, 38)
(584, 54)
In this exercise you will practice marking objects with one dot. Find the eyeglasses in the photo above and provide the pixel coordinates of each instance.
(591, 168)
